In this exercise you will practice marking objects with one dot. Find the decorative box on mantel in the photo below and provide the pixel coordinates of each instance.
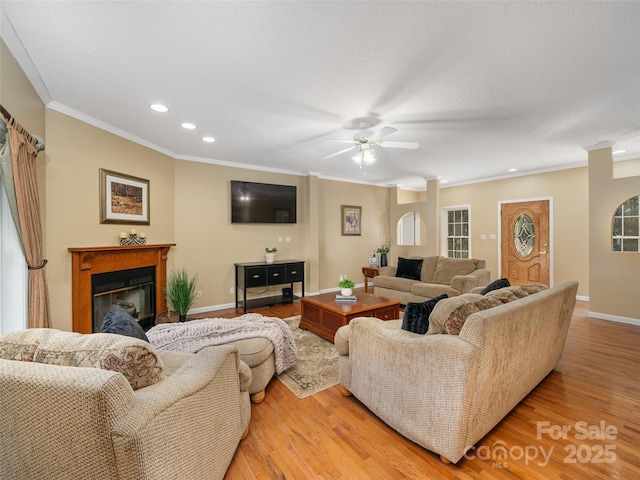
(90, 263)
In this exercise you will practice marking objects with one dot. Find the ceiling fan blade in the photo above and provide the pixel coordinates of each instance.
(340, 140)
(411, 145)
(383, 132)
(338, 153)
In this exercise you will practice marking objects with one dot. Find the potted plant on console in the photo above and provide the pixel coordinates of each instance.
(270, 254)
(181, 291)
(383, 250)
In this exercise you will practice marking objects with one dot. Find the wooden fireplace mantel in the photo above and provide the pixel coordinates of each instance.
(92, 260)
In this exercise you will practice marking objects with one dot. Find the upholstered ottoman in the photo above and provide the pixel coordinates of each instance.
(258, 354)
(265, 344)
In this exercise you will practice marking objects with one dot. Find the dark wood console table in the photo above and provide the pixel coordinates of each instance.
(260, 274)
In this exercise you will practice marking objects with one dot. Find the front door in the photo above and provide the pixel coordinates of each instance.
(525, 246)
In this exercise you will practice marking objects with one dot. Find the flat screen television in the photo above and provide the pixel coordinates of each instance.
(262, 202)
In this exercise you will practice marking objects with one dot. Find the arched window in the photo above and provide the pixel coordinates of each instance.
(409, 229)
(626, 226)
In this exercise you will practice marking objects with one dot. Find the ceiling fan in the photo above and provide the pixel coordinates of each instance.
(365, 144)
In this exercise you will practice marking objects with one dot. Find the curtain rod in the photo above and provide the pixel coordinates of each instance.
(39, 144)
(6, 114)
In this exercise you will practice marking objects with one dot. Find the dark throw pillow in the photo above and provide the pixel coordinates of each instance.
(117, 320)
(500, 283)
(409, 268)
(416, 315)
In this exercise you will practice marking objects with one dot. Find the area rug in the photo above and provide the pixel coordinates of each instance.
(317, 365)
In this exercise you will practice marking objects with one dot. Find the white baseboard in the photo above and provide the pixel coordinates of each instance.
(614, 318)
(582, 298)
(211, 308)
(224, 306)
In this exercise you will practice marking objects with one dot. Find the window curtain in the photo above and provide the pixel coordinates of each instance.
(19, 173)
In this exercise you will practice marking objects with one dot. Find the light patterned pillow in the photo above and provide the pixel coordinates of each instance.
(16, 350)
(505, 295)
(514, 292)
(457, 317)
(443, 309)
(136, 359)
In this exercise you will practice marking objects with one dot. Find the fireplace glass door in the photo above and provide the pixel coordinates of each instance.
(132, 290)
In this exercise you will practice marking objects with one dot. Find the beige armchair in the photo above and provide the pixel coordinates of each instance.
(64, 422)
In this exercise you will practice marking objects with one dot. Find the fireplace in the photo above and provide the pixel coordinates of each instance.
(133, 277)
(132, 290)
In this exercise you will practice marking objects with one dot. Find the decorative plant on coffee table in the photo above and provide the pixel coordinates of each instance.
(181, 291)
(346, 286)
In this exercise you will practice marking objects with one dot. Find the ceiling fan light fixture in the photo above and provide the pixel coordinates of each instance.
(365, 156)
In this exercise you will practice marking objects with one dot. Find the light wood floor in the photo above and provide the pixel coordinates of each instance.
(328, 436)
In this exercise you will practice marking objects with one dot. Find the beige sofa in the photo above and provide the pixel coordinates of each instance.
(439, 275)
(72, 422)
(445, 392)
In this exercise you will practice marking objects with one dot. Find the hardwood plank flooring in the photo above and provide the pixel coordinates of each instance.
(594, 392)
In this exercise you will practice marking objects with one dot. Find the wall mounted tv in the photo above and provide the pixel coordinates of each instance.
(262, 202)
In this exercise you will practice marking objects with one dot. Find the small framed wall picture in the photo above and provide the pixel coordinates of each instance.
(351, 219)
(124, 199)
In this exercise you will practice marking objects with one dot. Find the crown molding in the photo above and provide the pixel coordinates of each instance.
(599, 146)
(18, 51)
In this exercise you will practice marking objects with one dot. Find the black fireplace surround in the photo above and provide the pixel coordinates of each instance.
(133, 290)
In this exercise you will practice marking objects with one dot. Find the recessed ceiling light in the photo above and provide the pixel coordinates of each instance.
(619, 151)
(512, 170)
(444, 181)
(188, 126)
(159, 108)
(208, 139)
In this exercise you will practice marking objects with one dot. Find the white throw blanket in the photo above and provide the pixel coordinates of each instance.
(194, 335)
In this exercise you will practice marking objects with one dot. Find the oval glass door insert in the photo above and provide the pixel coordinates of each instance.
(524, 235)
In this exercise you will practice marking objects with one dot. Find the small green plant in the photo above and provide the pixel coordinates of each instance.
(346, 283)
(181, 290)
(271, 250)
(384, 248)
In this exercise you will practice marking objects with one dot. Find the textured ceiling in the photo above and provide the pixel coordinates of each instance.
(482, 86)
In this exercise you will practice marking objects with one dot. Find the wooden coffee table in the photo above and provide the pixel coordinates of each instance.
(323, 315)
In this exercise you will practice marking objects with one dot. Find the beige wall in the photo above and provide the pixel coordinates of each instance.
(346, 255)
(209, 244)
(615, 276)
(75, 153)
(568, 192)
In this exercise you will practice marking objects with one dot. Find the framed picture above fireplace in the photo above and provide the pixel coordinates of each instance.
(124, 199)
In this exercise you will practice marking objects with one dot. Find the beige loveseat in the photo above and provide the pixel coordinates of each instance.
(439, 275)
(443, 391)
(83, 422)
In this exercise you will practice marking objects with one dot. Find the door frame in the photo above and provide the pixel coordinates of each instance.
(551, 246)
